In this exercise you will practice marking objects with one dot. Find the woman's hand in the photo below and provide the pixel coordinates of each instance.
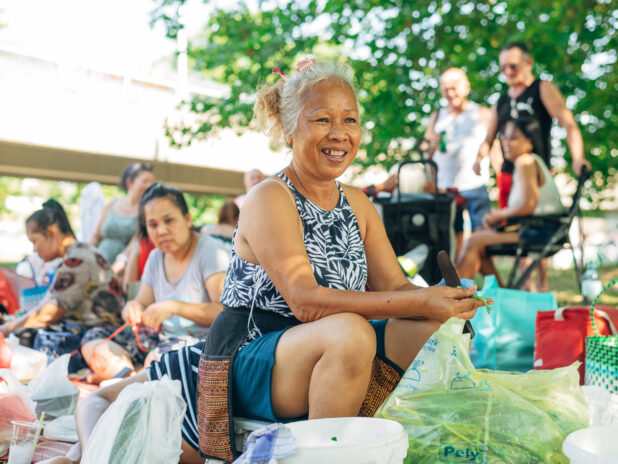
(119, 266)
(492, 218)
(445, 302)
(133, 312)
(156, 313)
(6, 328)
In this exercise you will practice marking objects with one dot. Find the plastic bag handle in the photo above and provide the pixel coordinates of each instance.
(559, 316)
(26, 260)
(594, 302)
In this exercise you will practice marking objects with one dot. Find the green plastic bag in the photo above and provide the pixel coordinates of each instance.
(453, 412)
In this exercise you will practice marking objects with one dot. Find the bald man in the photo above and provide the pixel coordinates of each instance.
(250, 179)
(452, 140)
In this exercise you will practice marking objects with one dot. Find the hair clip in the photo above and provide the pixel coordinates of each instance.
(306, 63)
(281, 73)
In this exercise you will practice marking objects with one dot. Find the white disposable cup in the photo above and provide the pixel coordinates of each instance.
(22, 442)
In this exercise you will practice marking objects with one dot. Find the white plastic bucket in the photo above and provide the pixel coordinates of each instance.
(348, 440)
(592, 445)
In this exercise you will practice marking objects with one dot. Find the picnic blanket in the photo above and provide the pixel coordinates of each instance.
(47, 449)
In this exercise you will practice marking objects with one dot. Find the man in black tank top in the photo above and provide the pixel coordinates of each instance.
(528, 103)
(527, 95)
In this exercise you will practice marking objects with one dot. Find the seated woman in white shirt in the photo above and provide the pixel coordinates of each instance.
(180, 289)
(533, 192)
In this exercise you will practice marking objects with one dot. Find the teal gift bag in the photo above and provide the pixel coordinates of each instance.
(505, 336)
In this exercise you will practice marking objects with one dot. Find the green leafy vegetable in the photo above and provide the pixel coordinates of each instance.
(484, 300)
(129, 423)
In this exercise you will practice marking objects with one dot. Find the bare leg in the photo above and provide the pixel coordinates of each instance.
(458, 244)
(473, 256)
(404, 339)
(543, 281)
(323, 367)
(106, 358)
(529, 285)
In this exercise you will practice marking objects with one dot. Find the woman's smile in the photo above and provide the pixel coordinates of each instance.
(335, 155)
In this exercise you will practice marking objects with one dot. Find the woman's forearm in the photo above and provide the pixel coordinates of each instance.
(201, 313)
(523, 209)
(46, 315)
(87, 414)
(318, 302)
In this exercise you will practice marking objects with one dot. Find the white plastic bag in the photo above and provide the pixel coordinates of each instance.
(26, 363)
(602, 406)
(52, 391)
(141, 427)
(62, 428)
(15, 404)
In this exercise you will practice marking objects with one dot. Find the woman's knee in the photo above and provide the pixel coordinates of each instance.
(106, 357)
(351, 336)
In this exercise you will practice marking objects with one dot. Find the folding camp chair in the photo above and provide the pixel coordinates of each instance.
(559, 240)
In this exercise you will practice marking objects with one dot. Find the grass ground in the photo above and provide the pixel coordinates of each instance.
(564, 284)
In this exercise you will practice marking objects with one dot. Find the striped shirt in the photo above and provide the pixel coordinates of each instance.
(182, 365)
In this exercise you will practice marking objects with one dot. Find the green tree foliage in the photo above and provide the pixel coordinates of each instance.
(398, 50)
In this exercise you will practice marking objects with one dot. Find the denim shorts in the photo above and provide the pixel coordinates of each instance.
(478, 206)
(253, 369)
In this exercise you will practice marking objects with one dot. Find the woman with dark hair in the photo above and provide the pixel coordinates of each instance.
(180, 288)
(227, 220)
(137, 258)
(533, 192)
(84, 290)
(118, 222)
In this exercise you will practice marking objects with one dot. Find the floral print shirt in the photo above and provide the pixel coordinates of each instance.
(86, 288)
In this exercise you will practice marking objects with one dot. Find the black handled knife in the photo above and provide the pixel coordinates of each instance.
(452, 280)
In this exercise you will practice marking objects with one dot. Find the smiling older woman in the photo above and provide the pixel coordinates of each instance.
(303, 335)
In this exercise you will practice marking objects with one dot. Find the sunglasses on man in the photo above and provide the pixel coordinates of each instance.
(510, 67)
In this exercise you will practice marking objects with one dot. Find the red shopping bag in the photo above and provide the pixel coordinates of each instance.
(560, 335)
(6, 353)
(7, 296)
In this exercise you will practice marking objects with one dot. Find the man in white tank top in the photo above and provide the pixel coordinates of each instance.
(452, 140)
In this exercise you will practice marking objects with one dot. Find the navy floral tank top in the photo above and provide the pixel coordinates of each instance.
(335, 249)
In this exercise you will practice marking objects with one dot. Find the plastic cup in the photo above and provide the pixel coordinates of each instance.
(22, 442)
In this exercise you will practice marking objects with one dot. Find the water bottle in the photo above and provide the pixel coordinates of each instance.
(591, 284)
(443, 141)
(413, 260)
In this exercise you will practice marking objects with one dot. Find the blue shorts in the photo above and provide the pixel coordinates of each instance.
(478, 206)
(252, 374)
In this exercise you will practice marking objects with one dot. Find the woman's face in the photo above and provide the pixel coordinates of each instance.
(47, 245)
(142, 181)
(328, 134)
(167, 227)
(514, 142)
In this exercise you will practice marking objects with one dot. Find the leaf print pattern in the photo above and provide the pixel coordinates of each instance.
(335, 249)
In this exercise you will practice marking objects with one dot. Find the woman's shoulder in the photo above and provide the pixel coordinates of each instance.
(356, 198)
(267, 195)
(525, 160)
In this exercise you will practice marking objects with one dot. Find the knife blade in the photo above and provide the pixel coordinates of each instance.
(452, 280)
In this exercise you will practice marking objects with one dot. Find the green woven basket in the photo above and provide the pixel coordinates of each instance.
(602, 354)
